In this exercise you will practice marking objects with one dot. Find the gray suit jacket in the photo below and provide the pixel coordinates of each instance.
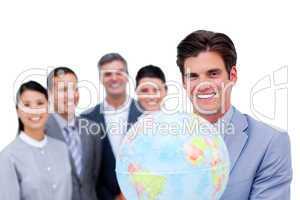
(84, 185)
(260, 161)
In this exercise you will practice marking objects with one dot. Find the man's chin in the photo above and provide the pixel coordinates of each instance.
(206, 110)
(116, 94)
(69, 113)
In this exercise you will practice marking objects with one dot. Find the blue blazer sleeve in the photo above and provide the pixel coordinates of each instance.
(274, 175)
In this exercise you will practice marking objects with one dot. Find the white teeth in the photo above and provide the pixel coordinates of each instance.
(205, 96)
(115, 85)
(152, 103)
(35, 118)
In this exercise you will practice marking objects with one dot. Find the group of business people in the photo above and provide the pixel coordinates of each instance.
(54, 157)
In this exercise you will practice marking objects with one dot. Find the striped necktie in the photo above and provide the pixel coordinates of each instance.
(74, 147)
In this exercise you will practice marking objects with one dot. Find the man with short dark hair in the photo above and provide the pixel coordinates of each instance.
(116, 114)
(76, 132)
(260, 155)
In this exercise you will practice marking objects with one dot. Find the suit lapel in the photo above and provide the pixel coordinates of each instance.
(235, 142)
(101, 116)
(53, 129)
(133, 114)
(107, 147)
(85, 149)
(97, 115)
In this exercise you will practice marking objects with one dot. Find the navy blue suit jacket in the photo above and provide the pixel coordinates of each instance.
(107, 185)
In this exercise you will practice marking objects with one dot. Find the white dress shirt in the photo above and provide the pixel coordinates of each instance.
(116, 120)
(224, 125)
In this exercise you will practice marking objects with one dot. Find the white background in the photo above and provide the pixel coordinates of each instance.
(42, 34)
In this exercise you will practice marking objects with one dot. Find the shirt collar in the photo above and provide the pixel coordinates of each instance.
(226, 118)
(124, 106)
(32, 142)
(223, 125)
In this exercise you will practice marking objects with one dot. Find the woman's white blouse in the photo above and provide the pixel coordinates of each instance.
(35, 170)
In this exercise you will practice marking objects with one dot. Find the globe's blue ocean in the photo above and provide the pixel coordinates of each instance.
(172, 157)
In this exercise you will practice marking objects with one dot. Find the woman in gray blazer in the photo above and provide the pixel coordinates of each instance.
(28, 166)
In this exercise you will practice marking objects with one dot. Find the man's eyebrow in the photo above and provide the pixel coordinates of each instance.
(190, 73)
(214, 70)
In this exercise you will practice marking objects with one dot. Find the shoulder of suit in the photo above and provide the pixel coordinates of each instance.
(90, 110)
(268, 140)
(84, 121)
(52, 140)
(89, 127)
(256, 127)
(134, 106)
(51, 119)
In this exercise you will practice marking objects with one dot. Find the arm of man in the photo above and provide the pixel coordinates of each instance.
(102, 189)
(273, 178)
(103, 192)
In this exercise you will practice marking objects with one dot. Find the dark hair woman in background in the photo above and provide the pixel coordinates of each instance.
(34, 166)
(151, 87)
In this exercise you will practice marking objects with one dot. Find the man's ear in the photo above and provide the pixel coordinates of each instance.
(183, 79)
(233, 74)
(51, 100)
(101, 76)
(77, 96)
(51, 93)
(184, 83)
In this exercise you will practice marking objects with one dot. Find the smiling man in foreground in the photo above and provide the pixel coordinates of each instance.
(260, 155)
